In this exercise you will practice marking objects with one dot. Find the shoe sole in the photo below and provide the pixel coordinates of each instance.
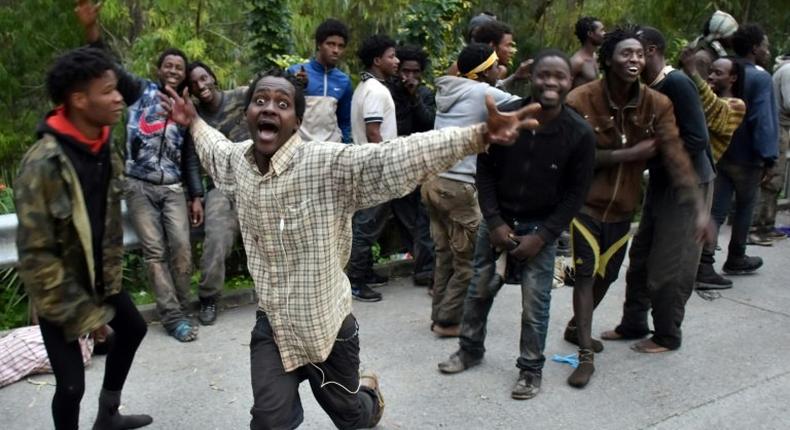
(740, 272)
(522, 396)
(360, 299)
(466, 367)
(703, 286)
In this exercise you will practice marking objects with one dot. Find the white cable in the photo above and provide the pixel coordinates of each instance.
(324, 382)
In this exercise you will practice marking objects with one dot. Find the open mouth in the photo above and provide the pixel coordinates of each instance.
(172, 81)
(205, 94)
(267, 129)
(633, 70)
(549, 97)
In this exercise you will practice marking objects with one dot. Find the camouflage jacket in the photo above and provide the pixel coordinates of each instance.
(54, 240)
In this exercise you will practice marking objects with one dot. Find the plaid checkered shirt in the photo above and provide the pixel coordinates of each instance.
(296, 219)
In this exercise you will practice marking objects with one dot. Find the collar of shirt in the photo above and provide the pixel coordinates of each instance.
(280, 161)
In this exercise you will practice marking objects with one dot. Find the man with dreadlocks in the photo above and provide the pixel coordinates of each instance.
(632, 123)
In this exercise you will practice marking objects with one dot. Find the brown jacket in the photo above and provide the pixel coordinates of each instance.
(616, 188)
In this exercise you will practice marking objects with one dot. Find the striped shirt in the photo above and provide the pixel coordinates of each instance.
(296, 219)
(723, 115)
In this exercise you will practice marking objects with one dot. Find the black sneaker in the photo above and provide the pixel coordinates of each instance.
(708, 279)
(208, 311)
(364, 293)
(742, 265)
(527, 386)
(375, 280)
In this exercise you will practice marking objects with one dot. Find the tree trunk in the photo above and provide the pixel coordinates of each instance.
(136, 14)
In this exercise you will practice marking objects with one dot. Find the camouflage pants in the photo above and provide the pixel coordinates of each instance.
(222, 228)
(765, 211)
(160, 217)
(455, 218)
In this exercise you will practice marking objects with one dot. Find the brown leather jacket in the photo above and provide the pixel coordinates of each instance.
(616, 188)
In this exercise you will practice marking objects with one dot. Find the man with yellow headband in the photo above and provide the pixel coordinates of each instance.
(451, 198)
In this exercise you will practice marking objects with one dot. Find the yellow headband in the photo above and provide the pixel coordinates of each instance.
(472, 74)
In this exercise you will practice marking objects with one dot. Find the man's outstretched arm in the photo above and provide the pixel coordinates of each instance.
(372, 174)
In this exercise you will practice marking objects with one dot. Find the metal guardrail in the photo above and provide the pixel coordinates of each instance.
(9, 223)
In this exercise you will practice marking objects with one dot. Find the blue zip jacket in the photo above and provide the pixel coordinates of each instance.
(756, 141)
(324, 85)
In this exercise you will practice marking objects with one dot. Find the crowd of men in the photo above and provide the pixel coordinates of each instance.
(483, 183)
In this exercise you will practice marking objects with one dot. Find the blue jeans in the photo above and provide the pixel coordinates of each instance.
(536, 279)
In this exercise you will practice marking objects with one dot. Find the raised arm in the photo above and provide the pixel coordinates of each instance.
(214, 150)
(129, 85)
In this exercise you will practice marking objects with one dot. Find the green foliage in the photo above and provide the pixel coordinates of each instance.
(269, 23)
(437, 26)
(13, 300)
(6, 199)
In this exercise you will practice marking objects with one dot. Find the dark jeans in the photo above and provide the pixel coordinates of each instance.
(662, 267)
(66, 359)
(369, 224)
(276, 392)
(744, 182)
(537, 275)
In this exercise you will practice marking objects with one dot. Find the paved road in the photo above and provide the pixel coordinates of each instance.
(732, 372)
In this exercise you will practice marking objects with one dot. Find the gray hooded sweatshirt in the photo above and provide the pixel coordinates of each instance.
(460, 102)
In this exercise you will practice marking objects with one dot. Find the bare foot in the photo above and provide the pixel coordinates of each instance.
(612, 335)
(649, 347)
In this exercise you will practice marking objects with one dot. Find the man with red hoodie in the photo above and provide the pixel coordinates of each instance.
(70, 240)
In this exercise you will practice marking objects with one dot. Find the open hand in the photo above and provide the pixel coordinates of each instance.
(180, 108)
(88, 15)
(87, 12)
(503, 127)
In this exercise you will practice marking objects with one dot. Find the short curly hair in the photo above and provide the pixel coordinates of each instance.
(492, 32)
(330, 27)
(746, 38)
(276, 72)
(374, 47)
(610, 41)
(74, 70)
(413, 53)
(171, 51)
(584, 26)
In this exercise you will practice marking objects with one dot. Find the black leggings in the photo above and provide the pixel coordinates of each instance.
(66, 359)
